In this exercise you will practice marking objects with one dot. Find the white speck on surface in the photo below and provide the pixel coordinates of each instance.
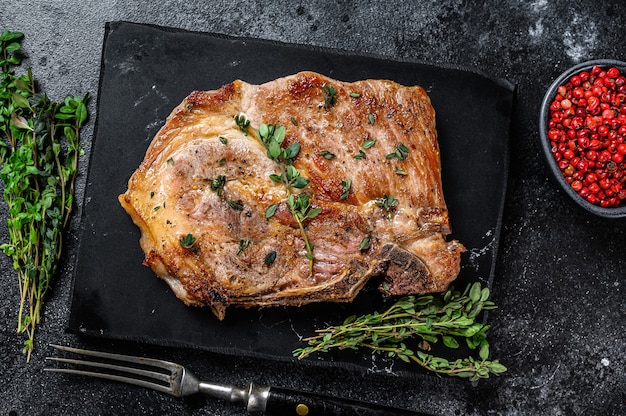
(126, 67)
(536, 31)
(580, 38)
(476, 252)
(539, 5)
(605, 362)
(544, 379)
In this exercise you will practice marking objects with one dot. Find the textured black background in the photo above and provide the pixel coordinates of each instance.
(560, 272)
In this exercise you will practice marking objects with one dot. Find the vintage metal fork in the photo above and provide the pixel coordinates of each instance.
(174, 379)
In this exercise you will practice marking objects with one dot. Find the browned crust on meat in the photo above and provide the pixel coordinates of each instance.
(168, 195)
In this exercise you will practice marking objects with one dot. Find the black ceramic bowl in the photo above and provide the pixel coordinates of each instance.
(611, 212)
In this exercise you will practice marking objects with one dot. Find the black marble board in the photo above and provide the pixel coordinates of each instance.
(146, 71)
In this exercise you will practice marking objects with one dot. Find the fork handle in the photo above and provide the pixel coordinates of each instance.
(287, 402)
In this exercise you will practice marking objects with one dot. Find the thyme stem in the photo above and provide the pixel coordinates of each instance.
(447, 317)
(272, 137)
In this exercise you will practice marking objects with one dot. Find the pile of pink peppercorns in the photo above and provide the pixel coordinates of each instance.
(587, 133)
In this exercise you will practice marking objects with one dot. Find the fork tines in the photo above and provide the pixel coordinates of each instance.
(145, 372)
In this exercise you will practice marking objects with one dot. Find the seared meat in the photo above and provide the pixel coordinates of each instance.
(201, 195)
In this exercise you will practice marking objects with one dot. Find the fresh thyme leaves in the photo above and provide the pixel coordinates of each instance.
(39, 153)
(236, 205)
(400, 153)
(345, 187)
(354, 94)
(301, 209)
(366, 243)
(243, 245)
(188, 242)
(270, 211)
(360, 155)
(330, 96)
(367, 144)
(170, 161)
(327, 155)
(423, 320)
(300, 206)
(217, 184)
(272, 136)
(243, 123)
(270, 258)
(224, 140)
(371, 118)
(294, 121)
(401, 171)
(388, 202)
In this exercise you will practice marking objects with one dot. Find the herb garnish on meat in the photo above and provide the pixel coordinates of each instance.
(272, 136)
(400, 153)
(189, 242)
(330, 96)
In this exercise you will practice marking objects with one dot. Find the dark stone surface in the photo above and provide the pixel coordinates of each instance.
(560, 274)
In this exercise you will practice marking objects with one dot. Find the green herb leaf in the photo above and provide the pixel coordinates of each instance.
(270, 211)
(217, 184)
(300, 182)
(276, 178)
(330, 96)
(243, 245)
(188, 242)
(270, 258)
(313, 212)
(368, 143)
(327, 155)
(388, 202)
(400, 153)
(243, 123)
(236, 205)
(345, 187)
(292, 151)
(366, 243)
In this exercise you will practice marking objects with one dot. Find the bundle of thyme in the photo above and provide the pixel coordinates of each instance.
(39, 151)
(424, 320)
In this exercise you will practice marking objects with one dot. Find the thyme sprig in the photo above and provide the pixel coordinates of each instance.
(387, 203)
(449, 317)
(272, 136)
(39, 152)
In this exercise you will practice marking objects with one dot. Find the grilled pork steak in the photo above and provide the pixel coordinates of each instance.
(218, 228)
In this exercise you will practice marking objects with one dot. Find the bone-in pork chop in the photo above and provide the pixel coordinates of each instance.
(224, 221)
